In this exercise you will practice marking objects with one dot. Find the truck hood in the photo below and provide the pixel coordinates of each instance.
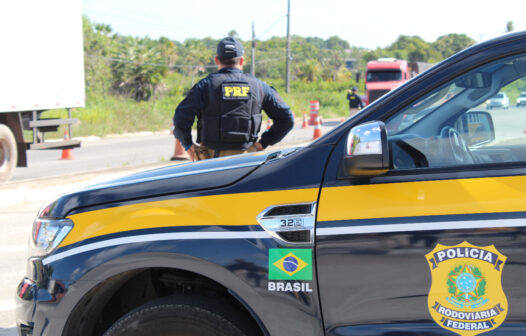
(192, 176)
(383, 85)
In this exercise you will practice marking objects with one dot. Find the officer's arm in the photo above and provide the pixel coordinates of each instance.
(281, 115)
(185, 114)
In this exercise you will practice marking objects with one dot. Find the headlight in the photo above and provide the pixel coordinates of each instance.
(47, 235)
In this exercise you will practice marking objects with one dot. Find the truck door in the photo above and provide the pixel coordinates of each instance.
(434, 243)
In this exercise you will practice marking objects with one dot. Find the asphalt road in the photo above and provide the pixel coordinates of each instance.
(15, 225)
(116, 152)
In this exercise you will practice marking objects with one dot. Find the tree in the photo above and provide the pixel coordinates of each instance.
(451, 44)
(168, 50)
(509, 26)
(414, 49)
(333, 61)
(233, 33)
(138, 68)
(195, 56)
(370, 55)
(98, 49)
(308, 71)
(334, 42)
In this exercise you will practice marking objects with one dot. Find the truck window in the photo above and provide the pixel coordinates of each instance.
(384, 75)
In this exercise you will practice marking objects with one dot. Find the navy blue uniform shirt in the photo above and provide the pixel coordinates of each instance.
(197, 99)
(354, 100)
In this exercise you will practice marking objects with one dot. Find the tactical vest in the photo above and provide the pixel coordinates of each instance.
(232, 118)
(354, 101)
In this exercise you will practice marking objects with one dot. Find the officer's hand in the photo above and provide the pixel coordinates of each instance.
(259, 147)
(191, 153)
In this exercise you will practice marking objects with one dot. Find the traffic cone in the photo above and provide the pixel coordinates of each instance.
(67, 153)
(305, 124)
(317, 129)
(269, 124)
(179, 152)
(314, 111)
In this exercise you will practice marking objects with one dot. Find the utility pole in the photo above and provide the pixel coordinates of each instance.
(253, 68)
(287, 75)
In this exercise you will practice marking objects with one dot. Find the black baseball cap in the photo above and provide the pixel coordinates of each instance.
(229, 48)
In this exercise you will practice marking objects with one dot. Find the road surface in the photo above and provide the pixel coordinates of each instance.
(125, 151)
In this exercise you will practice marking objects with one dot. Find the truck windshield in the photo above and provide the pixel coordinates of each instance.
(384, 75)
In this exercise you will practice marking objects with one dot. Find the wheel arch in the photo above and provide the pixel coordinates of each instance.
(102, 289)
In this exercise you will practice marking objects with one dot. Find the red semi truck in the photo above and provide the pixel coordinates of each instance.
(386, 74)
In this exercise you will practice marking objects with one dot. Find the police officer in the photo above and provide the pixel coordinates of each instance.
(355, 102)
(228, 106)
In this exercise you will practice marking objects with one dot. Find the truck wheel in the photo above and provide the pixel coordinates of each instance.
(179, 316)
(8, 154)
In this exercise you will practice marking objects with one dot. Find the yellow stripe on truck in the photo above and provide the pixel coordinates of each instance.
(426, 198)
(227, 209)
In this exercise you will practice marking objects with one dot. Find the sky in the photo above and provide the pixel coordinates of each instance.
(366, 23)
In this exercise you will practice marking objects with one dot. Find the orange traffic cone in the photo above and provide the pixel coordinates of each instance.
(269, 124)
(305, 124)
(179, 152)
(317, 129)
(67, 153)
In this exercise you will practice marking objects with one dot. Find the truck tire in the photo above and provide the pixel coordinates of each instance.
(179, 316)
(8, 155)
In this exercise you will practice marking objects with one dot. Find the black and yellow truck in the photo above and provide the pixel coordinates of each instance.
(407, 219)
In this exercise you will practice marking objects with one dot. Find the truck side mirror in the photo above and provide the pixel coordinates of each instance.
(366, 151)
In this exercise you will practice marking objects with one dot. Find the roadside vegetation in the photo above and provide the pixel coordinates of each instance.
(133, 84)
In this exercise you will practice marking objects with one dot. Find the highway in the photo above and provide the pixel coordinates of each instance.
(96, 154)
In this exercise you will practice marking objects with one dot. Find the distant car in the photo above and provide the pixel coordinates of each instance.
(500, 100)
(521, 100)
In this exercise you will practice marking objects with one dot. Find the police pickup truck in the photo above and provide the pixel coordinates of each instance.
(407, 219)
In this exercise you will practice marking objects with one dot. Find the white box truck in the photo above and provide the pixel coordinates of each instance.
(41, 68)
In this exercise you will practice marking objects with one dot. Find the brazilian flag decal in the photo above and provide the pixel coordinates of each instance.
(289, 264)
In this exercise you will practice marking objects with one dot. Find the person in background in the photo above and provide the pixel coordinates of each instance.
(355, 102)
(227, 105)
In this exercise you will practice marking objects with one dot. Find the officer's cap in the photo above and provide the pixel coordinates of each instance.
(229, 48)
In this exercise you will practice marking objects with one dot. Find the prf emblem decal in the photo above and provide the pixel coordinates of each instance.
(290, 264)
(466, 295)
(236, 91)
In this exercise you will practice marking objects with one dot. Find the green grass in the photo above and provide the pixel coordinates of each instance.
(106, 114)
